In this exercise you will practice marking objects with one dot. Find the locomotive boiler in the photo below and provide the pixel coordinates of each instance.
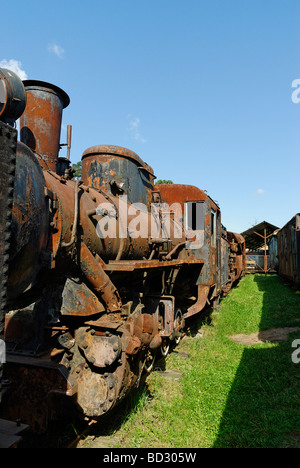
(98, 274)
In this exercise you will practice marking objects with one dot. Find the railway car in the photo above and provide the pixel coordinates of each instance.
(100, 273)
(222, 252)
(288, 250)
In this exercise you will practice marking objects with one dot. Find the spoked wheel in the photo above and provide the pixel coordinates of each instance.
(149, 361)
(165, 347)
(178, 326)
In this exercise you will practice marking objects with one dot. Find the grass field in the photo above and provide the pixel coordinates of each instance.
(229, 394)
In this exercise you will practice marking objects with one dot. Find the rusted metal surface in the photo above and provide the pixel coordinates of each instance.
(8, 145)
(96, 393)
(133, 265)
(41, 122)
(225, 255)
(93, 208)
(237, 247)
(208, 229)
(32, 384)
(178, 197)
(30, 218)
(78, 300)
(99, 280)
(118, 170)
(202, 300)
(288, 250)
(12, 96)
(99, 349)
(104, 270)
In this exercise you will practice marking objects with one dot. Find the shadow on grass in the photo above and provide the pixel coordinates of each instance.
(263, 406)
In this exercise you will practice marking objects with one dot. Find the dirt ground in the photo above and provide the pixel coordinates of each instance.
(273, 335)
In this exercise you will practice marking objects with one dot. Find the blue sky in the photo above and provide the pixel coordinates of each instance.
(200, 89)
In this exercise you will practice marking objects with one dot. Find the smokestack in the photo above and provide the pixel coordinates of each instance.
(40, 123)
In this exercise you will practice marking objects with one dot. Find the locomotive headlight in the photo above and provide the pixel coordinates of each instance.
(12, 96)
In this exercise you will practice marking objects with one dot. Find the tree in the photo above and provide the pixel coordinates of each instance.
(77, 167)
(163, 181)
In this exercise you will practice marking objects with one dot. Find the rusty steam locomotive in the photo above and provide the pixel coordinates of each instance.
(98, 274)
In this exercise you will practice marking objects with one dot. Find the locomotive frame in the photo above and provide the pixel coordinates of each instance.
(103, 271)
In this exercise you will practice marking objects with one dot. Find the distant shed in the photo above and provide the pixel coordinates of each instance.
(257, 241)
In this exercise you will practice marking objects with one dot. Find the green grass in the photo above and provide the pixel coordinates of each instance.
(229, 395)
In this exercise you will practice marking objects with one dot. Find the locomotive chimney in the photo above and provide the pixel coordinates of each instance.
(40, 124)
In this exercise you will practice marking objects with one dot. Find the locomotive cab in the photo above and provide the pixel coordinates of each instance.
(202, 223)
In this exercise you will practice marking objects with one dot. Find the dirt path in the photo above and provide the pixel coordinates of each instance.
(273, 335)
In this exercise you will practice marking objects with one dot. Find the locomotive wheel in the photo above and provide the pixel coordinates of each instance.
(149, 361)
(178, 326)
(165, 347)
